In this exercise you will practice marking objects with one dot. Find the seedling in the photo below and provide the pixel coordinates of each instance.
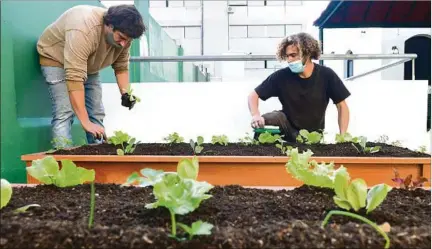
(222, 140)
(151, 176)
(6, 192)
(346, 138)
(382, 139)
(60, 143)
(181, 194)
(268, 138)
(6, 195)
(422, 149)
(354, 194)
(123, 139)
(174, 138)
(197, 228)
(397, 143)
(284, 149)
(356, 216)
(248, 140)
(46, 170)
(196, 147)
(131, 96)
(92, 205)
(408, 183)
(307, 137)
(309, 171)
(362, 148)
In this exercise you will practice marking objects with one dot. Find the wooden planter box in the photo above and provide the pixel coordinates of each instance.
(243, 170)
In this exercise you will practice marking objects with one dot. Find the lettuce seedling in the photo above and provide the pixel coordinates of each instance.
(307, 137)
(6, 192)
(46, 170)
(408, 183)
(222, 140)
(198, 228)
(284, 149)
(151, 176)
(174, 138)
(354, 194)
(132, 97)
(268, 138)
(122, 138)
(363, 148)
(196, 147)
(309, 171)
(248, 140)
(179, 191)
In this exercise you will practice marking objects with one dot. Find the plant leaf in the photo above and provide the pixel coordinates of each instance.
(24, 209)
(342, 203)
(356, 194)
(188, 168)
(6, 192)
(341, 182)
(44, 170)
(376, 196)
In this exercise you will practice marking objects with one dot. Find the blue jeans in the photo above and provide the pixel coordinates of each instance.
(62, 112)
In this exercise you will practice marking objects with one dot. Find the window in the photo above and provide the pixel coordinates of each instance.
(256, 31)
(177, 33)
(292, 29)
(237, 2)
(275, 31)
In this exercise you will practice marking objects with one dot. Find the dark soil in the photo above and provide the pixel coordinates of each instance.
(237, 149)
(242, 218)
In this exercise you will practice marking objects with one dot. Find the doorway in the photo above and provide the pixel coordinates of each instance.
(420, 45)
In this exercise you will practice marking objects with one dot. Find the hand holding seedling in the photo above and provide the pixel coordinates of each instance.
(128, 99)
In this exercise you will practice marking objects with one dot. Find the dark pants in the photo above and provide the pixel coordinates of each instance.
(278, 118)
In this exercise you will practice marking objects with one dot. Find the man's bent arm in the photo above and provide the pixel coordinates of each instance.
(343, 116)
(77, 99)
(253, 101)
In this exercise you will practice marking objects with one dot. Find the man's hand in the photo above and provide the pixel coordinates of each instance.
(126, 100)
(96, 130)
(257, 121)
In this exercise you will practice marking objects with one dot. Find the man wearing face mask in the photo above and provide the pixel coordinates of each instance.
(304, 89)
(73, 49)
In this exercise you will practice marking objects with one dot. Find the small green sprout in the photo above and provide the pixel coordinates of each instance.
(151, 176)
(122, 139)
(132, 97)
(222, 140)
(196, 147)
(197, 228)
(174, 138)
(354, 194)
(248, 140)
(422, 149)
(307, 137)
(284, 149)
(363, 148)
(46, 170)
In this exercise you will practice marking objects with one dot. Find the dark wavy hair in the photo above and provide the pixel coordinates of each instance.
(126, 19)
(308, 46)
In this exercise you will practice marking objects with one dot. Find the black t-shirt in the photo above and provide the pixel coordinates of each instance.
(304, 101)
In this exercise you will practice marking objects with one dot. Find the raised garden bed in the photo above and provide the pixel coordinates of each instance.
(242, 218)
(246, 165)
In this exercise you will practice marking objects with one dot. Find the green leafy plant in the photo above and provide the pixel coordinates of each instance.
(181, 193)
(125, 141)
(6, 192)
(362, 148)
(197, 228)
(407, 182)
(6, 195)
(196, 146)
(346, 138)
(309, 171)
(422, 149)
(307, 137)
(174, 138)
(248, 140)
(268, 138)
(46, 170)
(222, 140)
(361, 218)
(151, 176)
(382, 139)
(284, 149)
(132, 97)
(354, 194)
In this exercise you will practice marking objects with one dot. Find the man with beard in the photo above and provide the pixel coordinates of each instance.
(73, 49)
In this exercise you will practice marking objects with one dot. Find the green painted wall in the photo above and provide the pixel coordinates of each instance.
(25, 104)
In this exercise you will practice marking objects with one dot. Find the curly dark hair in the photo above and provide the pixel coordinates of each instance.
(126, 19)
(308, 46)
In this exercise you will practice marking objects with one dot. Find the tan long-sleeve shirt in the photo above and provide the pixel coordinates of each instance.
(76, 42)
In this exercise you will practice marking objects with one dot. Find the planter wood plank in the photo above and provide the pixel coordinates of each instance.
(242, 170)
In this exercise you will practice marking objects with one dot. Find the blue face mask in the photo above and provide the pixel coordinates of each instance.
(296, 66)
